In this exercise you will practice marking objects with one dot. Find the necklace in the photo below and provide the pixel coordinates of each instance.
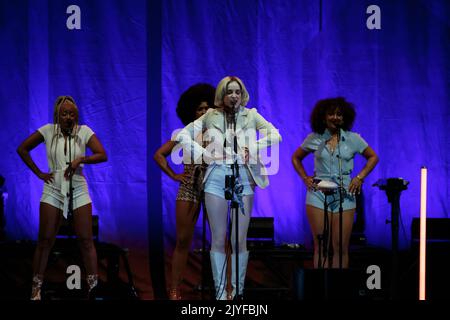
(332, 142)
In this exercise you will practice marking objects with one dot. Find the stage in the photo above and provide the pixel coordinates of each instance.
(126, 64)
(276, 273)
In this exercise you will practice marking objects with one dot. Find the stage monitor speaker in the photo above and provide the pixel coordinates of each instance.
(438, 251)
(334, 284)
(437, 229)
(261, 232)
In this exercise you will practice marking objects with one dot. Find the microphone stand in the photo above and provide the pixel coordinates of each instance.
(341, 194)
(323, 238)
(393, 188)
(234, 204)
(324, 244)
(204, 218)
(231, 182)
(204, 275)
(70, 193)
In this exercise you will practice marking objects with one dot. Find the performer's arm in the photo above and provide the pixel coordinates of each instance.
(98, 155)
(24, 149)
(160, 158)
(271, 134)
(372, 160)
(98, 152)
(297, 159)
(186, 139)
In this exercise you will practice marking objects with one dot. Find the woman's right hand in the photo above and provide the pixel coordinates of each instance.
(46, 177)
(309, 183)
(182, 177)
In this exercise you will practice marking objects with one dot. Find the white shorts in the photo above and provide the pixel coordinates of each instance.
(215, 184)
(55, 195)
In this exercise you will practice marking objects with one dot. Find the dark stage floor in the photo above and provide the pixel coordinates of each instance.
(274, 273)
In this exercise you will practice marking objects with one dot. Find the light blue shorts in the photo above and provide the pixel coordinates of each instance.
(317, 199)
(215, 183)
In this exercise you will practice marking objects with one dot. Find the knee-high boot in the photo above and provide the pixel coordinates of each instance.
(219, 272)
(243, 261)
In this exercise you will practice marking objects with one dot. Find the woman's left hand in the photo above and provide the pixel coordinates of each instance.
(71, 168)
(355, 186)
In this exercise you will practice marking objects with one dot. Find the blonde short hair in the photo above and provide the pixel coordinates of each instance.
(222, 89)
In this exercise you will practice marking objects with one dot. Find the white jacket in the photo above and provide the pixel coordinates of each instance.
(212, 125)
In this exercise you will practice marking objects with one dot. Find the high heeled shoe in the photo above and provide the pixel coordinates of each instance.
(174, 294)
(36, 287)
(92, 281)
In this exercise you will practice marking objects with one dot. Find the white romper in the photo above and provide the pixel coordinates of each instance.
(55, 193)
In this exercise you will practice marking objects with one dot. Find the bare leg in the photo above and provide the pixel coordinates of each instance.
(347, 224)
(186, 218)
(83, 230)
(315, 218)
(49, 222)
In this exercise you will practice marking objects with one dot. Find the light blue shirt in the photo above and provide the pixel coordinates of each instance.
(326, 163)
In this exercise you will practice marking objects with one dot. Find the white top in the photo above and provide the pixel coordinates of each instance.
(58, 161)
(55, 149)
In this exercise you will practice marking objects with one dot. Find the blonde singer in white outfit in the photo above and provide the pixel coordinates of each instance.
(220, 124)
(65, 142)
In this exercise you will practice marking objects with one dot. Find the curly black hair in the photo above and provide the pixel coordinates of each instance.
(191, 99)
(328, 106)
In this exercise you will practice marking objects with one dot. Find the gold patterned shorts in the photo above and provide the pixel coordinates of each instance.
(192, 190)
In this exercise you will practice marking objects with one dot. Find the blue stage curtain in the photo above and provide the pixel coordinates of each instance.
(103, 66)
(289, 53)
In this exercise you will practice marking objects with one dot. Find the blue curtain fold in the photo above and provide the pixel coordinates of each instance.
(398, 78)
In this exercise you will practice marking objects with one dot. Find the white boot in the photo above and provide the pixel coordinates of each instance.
(219, 272)
(243, 260)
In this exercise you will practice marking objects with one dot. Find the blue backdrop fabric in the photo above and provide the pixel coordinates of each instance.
(103, 66)
(289, 53)
(398, 78)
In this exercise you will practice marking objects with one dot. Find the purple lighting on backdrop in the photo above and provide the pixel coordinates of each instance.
(103, 66)
(398, 77)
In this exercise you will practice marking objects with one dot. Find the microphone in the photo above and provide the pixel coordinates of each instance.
(339, 126)
(233, 106)
(69, 129)
(231, 109)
